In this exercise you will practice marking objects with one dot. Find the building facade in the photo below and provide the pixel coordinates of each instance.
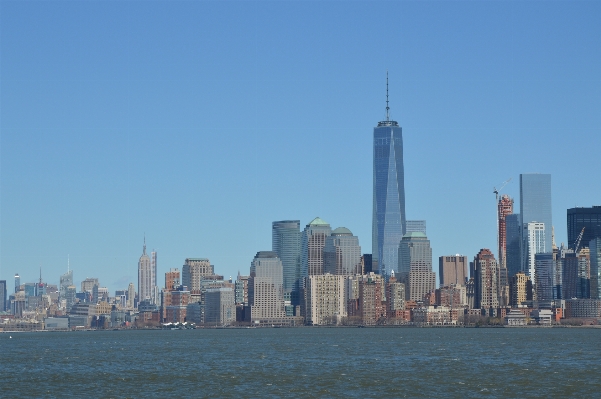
(266, 288)
(326, 299)
(595, 259)
(505, 208)
(486, 280)
(452, 269)
(535, 205)
(533, 235)
(342, 253)
(388, 218)
(193, 271)
(415, 226)
(415, 266)
(587, 218)
(146, 277)
(513, 244)
(543, 286)
(220, 309)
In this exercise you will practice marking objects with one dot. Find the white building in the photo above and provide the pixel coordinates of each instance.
(326, 297)
(266, 288)
(534, 243)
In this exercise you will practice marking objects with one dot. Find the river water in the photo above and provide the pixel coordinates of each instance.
(304, 362)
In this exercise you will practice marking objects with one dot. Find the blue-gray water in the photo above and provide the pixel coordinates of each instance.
(305, 362)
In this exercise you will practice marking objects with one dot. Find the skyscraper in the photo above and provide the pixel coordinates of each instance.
(590, 219)
(342, 253)
(544, 269)
(17, 282)
(153, 268)
(193, 271)
(505, 208)
(145, 290)
(452, 269)
(595, 254)
(66, 280)
(513, 251)
(388, 218)
(535, 204)
(3, 295)
(486, 280)
(312, 244)
(131, 296)
(286, 242)
(533, 235)
(415, 226)
(265, 288)
(415, 266)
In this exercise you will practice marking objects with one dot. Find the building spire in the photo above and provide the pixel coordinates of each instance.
(144, 250)
(387, 107)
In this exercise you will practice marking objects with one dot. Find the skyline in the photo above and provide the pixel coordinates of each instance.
(200, 124)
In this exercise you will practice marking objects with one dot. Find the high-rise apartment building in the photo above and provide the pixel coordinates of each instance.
(342, 253)
(366, 296)
(193, 271)
(312, 244)
(286, 242)
(590, 219)
(486, 280)
(533, 242)
(595, 259)
(505, 208)
(131, 296)
(452, 269)
(146, 279)
(535, 204)
(415, 266)
(266, 288)
(388, 218)
(520, 289)
(326, 299)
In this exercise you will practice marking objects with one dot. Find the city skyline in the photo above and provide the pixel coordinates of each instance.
(128, 135)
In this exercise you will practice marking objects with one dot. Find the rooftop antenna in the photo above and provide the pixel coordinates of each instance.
(387, 107)
(144, 252)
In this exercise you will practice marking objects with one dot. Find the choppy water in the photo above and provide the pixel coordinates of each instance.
(304, 362)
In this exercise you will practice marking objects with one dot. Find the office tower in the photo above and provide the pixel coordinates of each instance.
(513, 246)
(486, 280)
(154, 287)
(590, 219)
(342, 253)
(88, 284)
(66, 280)
(595, 259)
(172, 279)
(326, 299)
(131, 296)
(17, 283)
(388, 218)
(415, 226)
(3, 296)
(367, 265)
(452, 269)
(220, 309)
(241, 287)
(266, 288)
(145, 277)
(535, 203)
(312, 244)
(286, 242)
(533, 242)
(193, 271)
(70, 297)
(543, 285)
(505, 208)
(415, 266)
(520, 289)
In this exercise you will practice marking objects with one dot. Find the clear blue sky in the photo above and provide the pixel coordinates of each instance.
(200, 123)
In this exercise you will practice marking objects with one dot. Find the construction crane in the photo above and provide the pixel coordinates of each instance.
(496, 192)
(577, 243)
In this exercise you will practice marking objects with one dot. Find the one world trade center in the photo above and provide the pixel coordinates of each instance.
(388, 223)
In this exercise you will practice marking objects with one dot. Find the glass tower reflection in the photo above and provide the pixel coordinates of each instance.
(388, 223)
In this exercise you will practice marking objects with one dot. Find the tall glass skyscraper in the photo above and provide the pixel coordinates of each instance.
(388, 219)
(535, 203)
(286, 243)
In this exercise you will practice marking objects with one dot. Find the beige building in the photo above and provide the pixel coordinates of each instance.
(193, 271)
(452, 269)
(326, 299)
(415, 266)
(520, 289)
(265, 288)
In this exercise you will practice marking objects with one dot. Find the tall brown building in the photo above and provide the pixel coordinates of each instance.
(452, 270)
(172, 279)
(486, 280)
(505, 207)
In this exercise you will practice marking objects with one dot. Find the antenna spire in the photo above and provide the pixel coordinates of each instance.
(144, 251)
(387, 107)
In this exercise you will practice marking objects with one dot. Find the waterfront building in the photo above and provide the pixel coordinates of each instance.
(395, 298)
(193, 271)
(326, 299)
(175, 305)
(3, 295)
(587, 218)
(486, 280)
(415, 266)
(504, 208)
(342, 253)
(535, 205)
(587, 308)
(435, 316)
(452, 296)
(415, 226)
(366, 295)
(544, 265)
(220, 309)
(533, 235)
(513, 244)
(388, 218)
(265, 288)
(452, 269)
(286, 243)
(520, 289)
(595, 262)
(312, 245)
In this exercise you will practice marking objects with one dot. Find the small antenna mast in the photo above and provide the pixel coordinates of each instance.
(387, 107)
